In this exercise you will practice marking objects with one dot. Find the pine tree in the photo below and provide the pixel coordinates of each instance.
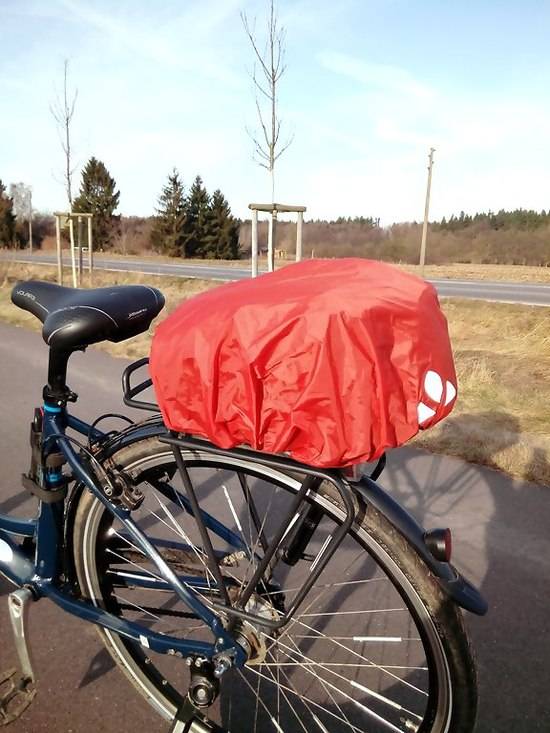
(222, 238)
(196, 225)
(99, 197)
(7, 219)
(168, 235)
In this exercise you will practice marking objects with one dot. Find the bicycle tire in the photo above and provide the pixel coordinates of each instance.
(438, 620)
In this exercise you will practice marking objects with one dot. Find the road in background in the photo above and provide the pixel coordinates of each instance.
(501, 542)
(502, 292)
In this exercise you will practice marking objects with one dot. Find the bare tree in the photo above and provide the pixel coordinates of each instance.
(21, 195)
(62, 111)
(268, 146)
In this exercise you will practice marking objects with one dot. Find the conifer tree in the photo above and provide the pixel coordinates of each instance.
(168, 235)
(7, 219)
(222, 238)
(99, 197)
(196, 225)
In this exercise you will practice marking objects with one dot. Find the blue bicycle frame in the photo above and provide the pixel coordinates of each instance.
(36, 564)
(36, 561)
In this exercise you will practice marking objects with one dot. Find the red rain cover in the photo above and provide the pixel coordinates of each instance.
(331, 361)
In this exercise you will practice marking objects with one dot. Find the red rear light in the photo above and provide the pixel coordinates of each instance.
(440, 543)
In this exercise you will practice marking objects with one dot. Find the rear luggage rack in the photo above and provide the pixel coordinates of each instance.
(130, 392)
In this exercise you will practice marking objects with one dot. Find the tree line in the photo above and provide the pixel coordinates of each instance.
(185, 224)
(524, 219)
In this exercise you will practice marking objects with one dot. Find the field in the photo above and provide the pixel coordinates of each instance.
(502, 355)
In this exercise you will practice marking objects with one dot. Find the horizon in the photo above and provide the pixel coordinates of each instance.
(370, 86)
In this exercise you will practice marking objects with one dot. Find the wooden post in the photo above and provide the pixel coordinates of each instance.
(59, 254)
(30, 221)
(272, 241)
(299, 224)
(73, 259)
(254, 243)
(80, 263)
(269, 243)
(90, 251)
(426, 213)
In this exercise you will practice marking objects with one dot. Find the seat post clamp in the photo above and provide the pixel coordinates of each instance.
(59, 398)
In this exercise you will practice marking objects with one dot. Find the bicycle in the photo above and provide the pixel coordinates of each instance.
(237, 590)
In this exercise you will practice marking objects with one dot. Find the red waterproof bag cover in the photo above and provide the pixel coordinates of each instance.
(331, 361)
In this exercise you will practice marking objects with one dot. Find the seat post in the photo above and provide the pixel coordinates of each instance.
(56, 391)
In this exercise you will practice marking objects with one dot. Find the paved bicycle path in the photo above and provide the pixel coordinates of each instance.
(501, 537)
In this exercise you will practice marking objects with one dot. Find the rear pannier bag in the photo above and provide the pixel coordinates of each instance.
(329, 361)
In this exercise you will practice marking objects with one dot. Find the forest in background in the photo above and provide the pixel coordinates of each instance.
(520, 237)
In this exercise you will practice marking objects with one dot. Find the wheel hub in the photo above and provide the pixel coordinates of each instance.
(257, 641)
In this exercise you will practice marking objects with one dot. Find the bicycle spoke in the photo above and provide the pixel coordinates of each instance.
(304, 698)
(364, 659)
(366, 709)
(364, 689)
(335, 703)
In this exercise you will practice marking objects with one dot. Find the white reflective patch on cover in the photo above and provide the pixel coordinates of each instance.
(424, 413)
(451, 393)
(433, 384)
(6, 553)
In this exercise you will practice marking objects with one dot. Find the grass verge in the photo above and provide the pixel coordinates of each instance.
(502, 355)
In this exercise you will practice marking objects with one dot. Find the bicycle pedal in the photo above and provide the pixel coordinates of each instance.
(16, 694)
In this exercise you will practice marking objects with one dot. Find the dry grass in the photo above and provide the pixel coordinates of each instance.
(502, 354)
(505, 273)
(502, 418)
(174, 289)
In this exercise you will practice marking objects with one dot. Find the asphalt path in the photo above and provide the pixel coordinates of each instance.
(501, 541)
(503, 292)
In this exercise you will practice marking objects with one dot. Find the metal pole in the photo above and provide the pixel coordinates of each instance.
(90, 251)
(426, 213)
(59, 259)
(254, 243)
(73, 259)
(30, 221)
(299, 223)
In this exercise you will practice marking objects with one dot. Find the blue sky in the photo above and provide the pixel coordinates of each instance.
(370, 86)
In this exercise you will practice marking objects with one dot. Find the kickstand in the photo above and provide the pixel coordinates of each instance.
(189, 720)
(17, 690)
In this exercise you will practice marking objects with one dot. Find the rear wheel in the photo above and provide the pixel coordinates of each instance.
(376, 645)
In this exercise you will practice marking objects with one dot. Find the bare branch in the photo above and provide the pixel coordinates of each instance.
(252, 39)
(272, 67)
(285, 147)
(62, 110)
(262, 123)
(260, 88)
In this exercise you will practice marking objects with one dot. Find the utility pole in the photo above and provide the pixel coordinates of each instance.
(426, 213)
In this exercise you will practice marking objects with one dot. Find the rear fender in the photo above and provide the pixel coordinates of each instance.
(458, 588)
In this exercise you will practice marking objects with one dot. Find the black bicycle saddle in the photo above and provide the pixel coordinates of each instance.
(74, 318)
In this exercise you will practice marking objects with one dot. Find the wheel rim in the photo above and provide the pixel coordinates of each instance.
(361, 640)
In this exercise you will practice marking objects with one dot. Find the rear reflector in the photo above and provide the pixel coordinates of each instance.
(439, 543)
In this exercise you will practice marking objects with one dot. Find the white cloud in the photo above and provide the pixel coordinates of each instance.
(182, 43)
(391, 79)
